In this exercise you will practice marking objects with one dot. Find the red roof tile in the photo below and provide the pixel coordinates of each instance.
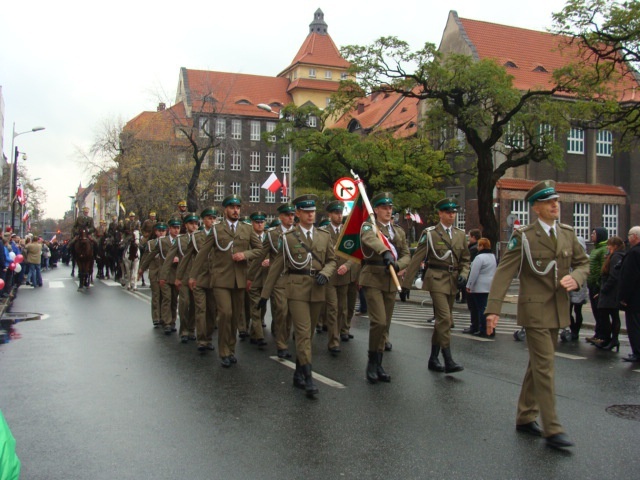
(318, 50)
(311, 84)
(159, 126)
(530, 50)
(580, 188)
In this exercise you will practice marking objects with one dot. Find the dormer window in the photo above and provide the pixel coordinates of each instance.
(243, 102)
(541, 69)
(510, 64)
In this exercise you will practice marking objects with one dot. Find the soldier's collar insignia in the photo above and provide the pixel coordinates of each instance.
(513, 243)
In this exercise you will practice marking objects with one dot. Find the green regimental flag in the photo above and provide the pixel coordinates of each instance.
(348, 245)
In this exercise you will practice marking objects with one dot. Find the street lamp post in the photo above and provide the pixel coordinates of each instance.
(267, 108)
(14, 171)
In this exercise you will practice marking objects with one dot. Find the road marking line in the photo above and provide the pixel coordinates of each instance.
(316, 376)
(637, 371)
(110, 283)
(570, 357)
(473, 337)
(56, 284)
(409, 324)
(139, 296)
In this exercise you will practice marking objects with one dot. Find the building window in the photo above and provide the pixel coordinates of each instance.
(581, 212)
(235, 188)
(312, 73)
(204, 196)
(546, 134)
(220, 160)
(284, 198)
(313, 121)
(285, 164)
(610, 219)
(343, 76)
(520, 208)
(203, 126)
(328, 101)
(270, 218)
(575, 141)
(514, 137)
(271, 162)
(271, 126)
(461, 219)
(236, 161)
(182, 158)
(327, 74)
(269, 197)
(221, 128)
(218, 192)
(255, 130)
(255, 162)
(254, 192)
(236, 129)
(604, 143)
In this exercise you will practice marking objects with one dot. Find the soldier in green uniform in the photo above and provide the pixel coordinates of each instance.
(338, 287)
(154, 264)
(169, 307)
(180, 213)
(147, 227)
(200, 283)
(256, 276)
(130, 225)
(306, 260)
(281, 320)
(550, 263)
(168, 274)
(375, 276)
(231, 245)
(83, 221)
(444, 250)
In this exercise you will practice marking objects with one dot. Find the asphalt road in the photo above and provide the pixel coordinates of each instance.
(92, 391)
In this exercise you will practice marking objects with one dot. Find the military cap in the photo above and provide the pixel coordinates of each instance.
(246, 220)
(232, 200)
(209, 211)
(286, 208)
(335, 206)
(190, 217)
(323, 222)
(152, 213)
(306, 202)
(384, 198)
(160, 226)
(85, 208)
(258, 216)
(545, 190)
(103, 221)
(448, 203)
(132, 214)
(275, 223)
(175, 222)
(182, 203)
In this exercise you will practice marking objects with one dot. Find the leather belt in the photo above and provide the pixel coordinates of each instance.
(373, 262)
(449, 268)
(303, 272)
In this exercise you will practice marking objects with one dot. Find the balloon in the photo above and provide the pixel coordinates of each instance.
(19, 258)
(1, 283)
(18, 268)
(12, 266)
(12, 256)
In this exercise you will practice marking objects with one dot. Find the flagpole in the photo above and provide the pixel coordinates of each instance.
(372, 218)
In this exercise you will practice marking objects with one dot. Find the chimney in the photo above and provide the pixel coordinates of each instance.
(161, 106)
(360, 108)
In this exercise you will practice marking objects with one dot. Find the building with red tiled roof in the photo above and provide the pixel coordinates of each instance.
(596, 185)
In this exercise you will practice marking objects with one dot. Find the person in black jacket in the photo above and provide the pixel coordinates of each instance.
(628, 293)
(608, 297)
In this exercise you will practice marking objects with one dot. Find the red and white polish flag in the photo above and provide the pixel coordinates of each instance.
(272, 184)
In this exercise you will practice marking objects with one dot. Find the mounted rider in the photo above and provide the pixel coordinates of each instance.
(130, 226)
(84, 221)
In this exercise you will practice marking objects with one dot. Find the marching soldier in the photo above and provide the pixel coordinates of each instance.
(281, 320)
(443, 248)
(169, 307)
(338, 287)
(381, 290)
(203, 300)
(154, 265)
(256, 279)
(306, 260)
(168, 274)
(231, 245)
(550, 262)
(352, 296)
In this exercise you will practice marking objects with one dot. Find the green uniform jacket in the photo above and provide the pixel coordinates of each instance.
(178, 250)
(152, 261)
(83, 222)
(159, 250)
(272, 242)
(542, 301)
(338, 280)
(374, 273)
(184, 267)
(443, 277)
(301, 287)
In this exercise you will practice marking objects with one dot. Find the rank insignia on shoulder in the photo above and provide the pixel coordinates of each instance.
(513, 243)
(366, 228)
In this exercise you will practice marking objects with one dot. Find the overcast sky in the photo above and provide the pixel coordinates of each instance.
(70, 65)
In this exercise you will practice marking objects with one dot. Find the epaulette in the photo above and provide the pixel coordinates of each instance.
(565, 226)
(429, 229)
(323, 230)
(526, 228)
(288, 232)
(270, 229)
(460, 229)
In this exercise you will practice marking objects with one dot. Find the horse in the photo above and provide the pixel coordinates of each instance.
(131, 260)
(83, 253)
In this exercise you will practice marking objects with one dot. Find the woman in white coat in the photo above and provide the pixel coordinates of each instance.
(483, 268)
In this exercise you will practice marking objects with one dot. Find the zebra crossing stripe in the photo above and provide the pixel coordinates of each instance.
(570, 357)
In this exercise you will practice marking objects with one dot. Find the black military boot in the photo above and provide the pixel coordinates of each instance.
(449, 365)
(382, 375)
(372, 367)
(298, 377)
(434, 362)
(309, 386)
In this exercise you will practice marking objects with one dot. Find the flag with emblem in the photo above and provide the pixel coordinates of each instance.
(348, 245)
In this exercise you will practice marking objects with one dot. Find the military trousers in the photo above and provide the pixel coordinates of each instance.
(169, 308)
(336, 312)
(205, 315)
(380, 309)
(186, 309)
(538, 387)
(443, 311)
(156, 301)
(352, 296)
(256, 314)
(230, 306)
(304, 316)
(281, 317)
